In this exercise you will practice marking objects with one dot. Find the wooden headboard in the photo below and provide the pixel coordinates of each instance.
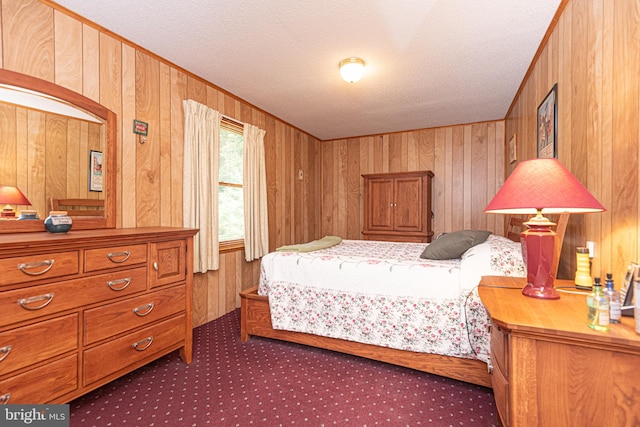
(79, 207)
(515, 225)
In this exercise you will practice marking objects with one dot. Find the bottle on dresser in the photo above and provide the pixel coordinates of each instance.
(598, 305)
(615, 312)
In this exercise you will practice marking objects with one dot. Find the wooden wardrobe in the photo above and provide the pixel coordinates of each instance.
(397, 206)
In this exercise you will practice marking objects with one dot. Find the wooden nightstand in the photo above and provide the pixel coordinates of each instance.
(550, 368)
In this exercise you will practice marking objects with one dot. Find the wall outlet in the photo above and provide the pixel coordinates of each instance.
(591, 246)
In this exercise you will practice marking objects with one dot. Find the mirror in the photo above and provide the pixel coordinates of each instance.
(63, 147)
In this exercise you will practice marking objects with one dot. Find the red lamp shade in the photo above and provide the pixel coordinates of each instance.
(535, 187)
(11, 196)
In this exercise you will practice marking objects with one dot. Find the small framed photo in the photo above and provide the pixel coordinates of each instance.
(547, 141)
(511, 146)
(626, 291)
(95, 170)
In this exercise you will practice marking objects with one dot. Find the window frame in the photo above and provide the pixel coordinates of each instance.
(236, 127)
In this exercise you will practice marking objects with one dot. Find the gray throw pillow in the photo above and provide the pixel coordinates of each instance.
(453, 245)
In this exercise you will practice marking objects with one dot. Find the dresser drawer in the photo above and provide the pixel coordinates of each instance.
(32, 302)
(116, 256)
(29, 268)
(112, 319)
(499, 350)
(108, 358)
(500, 387)
(43, 384)
(31, 344)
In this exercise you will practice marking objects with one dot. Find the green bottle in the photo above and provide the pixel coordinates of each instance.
(598, 304)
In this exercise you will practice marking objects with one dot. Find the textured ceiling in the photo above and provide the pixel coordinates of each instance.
(429, 62)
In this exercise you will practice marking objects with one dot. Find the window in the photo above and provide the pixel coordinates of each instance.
(230, 203)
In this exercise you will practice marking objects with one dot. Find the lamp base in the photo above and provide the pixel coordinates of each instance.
(538, 250)
(542, 292)
(8, 212)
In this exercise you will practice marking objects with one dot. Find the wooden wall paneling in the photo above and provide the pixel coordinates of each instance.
(56, 155)
(28, 38)
(164, 121)
(8, 148)
(77, 141)
(603, 251)
(455, 143)
(298, 207)
(342, 178)
(35, 157)
(68, 51)
(316, 187)
(596, 68)
(575, 156)
(441, 182)
(178, 95)
(278, 186)
(78, 158)
(624, 207)
(148, 154)
(353, 213)
(467, 174)
(304, 195)
(594, 113)
(221, 282)
(270, 150)
(215, 99)
(478, 178)
(90, 62)
(327, 187)
(231, 288)
(197, 90)
(201, 299)
(396, 153)
(128, 141)
(500, 170)
(1, 36)
(23, 147)
(288, 178)
(492, 162)
(215, 296)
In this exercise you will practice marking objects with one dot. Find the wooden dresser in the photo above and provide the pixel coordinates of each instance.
(397, 207)
(78, 310)
(550, 369)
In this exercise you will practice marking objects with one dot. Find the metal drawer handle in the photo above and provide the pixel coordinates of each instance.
(4, 352)
(140, 310)
(113, 283)
(142, 343)
(155, 266)
(4, 399)
(47, 298)
(46, 263)
(115, 256)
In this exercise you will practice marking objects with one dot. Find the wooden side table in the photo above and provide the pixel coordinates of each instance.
(550, 369)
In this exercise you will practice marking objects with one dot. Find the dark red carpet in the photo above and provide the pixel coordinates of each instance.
(270, 383)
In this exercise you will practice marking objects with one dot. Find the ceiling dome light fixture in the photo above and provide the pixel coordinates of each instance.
(351, 69)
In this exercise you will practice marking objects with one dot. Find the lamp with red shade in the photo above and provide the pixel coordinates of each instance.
(11, 196)
(541, 186)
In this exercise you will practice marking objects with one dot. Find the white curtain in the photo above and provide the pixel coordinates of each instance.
(254, 187)
(200, 182)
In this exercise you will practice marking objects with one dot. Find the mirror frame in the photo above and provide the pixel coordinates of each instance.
(110, 122)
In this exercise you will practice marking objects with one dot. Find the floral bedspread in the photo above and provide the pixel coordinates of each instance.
(383, 293)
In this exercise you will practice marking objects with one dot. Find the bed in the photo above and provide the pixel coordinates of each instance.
(419, 313)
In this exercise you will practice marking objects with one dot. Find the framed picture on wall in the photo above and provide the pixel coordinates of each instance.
(511, 147)
(95, 170)
(547, 141)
